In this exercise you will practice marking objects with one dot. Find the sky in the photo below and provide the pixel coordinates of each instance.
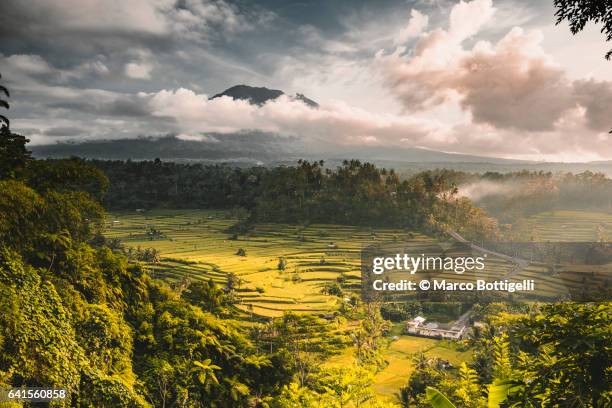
(491, 78)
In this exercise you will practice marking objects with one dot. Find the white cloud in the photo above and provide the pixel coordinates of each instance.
(338, 122)
(196, 138)
(512, 84)
(417, 23)
(28, 64)
(138, 70)
(467, 18)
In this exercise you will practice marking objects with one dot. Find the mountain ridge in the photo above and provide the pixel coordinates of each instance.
(249, 148)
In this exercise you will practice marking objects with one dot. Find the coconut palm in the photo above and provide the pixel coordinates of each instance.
(4, 104)
(13, 154)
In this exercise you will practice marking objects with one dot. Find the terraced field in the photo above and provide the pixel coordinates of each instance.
(567, 226)
(195, 244)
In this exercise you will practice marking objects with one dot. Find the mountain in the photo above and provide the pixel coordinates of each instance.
(419, 155)
(257, 147)
(252, 146)
(247, 147)
(260, 95)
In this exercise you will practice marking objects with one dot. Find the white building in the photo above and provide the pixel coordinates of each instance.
(417, 327)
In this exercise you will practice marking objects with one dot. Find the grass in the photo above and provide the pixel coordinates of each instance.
(195, 244)
(395, 375)
(566, 226)
(399, 356)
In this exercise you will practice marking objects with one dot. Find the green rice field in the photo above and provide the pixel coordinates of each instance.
(567, 226)
(399, 356)
(197, 245)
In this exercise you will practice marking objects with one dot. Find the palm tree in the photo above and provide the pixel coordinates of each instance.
(438, 400)
(236, 389)
(205, 373)
(4, 104)
(499, 391)
(13, 154)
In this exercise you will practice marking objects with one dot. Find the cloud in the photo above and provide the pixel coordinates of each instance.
(417, 23)
(96, 102)
(336, 123)
(197, 138)
(32, 67)
(138, 70)
(471, 84)
(511, 84)
(28, 64)
(467, 18)
(596, 97)
(112, 19)
(76, 34)
(68, 131)
(92, 67)
(514, 84)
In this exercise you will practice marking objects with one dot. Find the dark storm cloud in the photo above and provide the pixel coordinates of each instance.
(187, 39)
(124, 106)
(88, 60)
(67, 131)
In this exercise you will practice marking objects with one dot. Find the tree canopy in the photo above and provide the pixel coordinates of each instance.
(579, 12)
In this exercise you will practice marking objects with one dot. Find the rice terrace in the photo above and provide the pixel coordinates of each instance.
(198, 245)
(195, 244)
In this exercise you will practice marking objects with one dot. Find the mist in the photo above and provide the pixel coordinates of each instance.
(478, 190)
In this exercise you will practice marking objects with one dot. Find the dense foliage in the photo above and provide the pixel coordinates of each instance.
(510, 197)
(355, 193)
(79, 316)
(555, 355)
(74, 314)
